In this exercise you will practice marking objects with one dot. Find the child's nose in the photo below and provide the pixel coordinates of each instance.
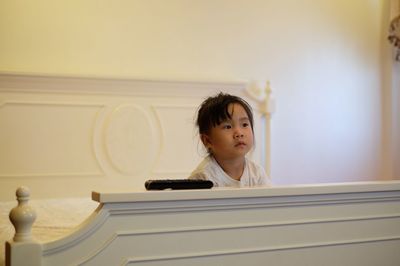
(238, 134)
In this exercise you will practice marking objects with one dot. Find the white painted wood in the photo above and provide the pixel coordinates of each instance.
(338, 224)
(22, 216)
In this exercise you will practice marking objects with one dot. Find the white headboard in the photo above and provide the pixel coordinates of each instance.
(67, 136)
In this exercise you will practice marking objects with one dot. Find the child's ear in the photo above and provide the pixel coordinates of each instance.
(206, 140)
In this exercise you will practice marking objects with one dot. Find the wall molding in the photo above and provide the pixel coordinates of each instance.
(11, 82)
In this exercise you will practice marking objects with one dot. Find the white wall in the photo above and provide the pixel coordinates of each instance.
(322, 58)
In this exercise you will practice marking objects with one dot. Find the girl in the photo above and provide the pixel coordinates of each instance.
(225, 125)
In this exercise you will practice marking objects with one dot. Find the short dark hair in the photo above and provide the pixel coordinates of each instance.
(214, 110)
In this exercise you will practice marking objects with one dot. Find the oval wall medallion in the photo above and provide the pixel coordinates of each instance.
(129, 140)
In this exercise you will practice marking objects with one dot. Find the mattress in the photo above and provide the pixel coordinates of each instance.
(54, 219)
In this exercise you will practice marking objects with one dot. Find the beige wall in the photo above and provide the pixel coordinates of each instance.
(322, 58)
(181, 39)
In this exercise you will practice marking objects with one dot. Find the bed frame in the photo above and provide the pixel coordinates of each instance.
(67, 136)
(338, 224)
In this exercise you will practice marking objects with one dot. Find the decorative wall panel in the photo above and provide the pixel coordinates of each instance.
(129, 139)
(49, 139)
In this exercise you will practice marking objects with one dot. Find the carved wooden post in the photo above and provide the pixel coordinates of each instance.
(23, 250)
(22, 216)
(262, 94)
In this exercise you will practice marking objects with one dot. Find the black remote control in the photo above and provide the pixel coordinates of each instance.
(160, 184)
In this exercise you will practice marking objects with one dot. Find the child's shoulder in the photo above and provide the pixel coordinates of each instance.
(204, 165)
(258, 172)
(253, 164)
(255, 168)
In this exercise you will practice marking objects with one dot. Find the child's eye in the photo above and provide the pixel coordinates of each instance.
(245, 124)
(226, 126)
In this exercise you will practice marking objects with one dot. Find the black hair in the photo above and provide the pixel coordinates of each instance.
(214, 110)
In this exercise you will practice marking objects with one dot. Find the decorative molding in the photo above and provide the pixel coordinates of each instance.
(156, 109)
(54, 174)
(12, 82)
(285, 223)
(161, 208)
(122, 142)
(54, 103)
(233, 252)
(200, 229)
(174, 106)
(6, 176)
(97, 220)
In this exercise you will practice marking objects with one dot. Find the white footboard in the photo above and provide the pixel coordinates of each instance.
(339, 224)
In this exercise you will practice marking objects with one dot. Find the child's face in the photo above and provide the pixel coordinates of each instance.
(232, 138)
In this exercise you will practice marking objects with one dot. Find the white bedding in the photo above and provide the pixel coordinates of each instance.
(61, 216)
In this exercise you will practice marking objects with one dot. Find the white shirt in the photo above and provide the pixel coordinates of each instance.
(209, 169)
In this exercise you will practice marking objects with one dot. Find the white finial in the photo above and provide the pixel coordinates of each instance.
(22, 216)
(256, 91)
(268, 89)
(262, 94)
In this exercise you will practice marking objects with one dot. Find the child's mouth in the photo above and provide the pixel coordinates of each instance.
(240, 144)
